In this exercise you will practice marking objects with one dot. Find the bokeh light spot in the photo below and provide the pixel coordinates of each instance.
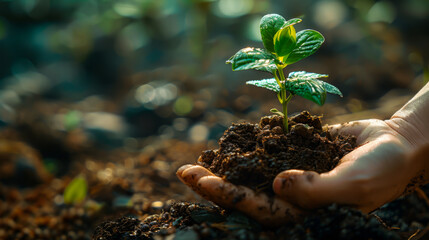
(127, 9)
(145, 93)
(233, 8)
(329, 14)
(252, 29)
(198, 133)
(183, 105)
(133, 36)
(381, 12)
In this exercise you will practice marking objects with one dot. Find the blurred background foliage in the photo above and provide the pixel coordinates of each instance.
(114, 73)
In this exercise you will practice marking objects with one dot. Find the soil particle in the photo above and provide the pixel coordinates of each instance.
(263, 150)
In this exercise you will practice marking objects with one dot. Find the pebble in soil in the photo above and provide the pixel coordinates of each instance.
(263, 150)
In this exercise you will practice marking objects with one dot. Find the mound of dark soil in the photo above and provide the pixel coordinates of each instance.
(263, 150)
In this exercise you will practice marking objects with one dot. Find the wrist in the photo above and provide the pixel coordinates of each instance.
(409, 129)
(411, 120)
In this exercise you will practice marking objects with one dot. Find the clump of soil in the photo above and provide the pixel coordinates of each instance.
(263, 150)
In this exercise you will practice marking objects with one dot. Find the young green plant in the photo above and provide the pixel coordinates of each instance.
(284, 46)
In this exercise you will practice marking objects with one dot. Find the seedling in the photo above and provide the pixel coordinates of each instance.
(284, 46)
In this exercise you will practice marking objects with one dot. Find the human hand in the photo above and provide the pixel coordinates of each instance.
(268, 211)
(377, 172)
(380, 170)
(391, 160)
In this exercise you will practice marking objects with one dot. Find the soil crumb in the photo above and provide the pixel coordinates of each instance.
(263, 150)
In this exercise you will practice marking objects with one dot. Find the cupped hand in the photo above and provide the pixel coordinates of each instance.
(388, 163)
(381, 169)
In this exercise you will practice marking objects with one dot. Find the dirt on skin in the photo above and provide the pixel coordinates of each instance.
(263, 150)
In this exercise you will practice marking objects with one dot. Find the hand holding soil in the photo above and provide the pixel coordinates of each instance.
(391, 160)
(377, 172)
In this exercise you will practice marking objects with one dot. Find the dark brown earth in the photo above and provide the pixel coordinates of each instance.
(136, 195)
(191, 221)
(263, 150)
(256, 149)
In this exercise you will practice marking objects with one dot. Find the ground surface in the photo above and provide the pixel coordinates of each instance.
(136, 195)
(133, 192)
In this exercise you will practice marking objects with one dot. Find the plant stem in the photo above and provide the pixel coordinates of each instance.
(284, 97)
(285, 119)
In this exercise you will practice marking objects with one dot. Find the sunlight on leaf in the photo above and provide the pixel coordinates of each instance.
(285, 41)
(269, 25)
(253, 58)
(269, 84)
(307, 43)
(308, 86)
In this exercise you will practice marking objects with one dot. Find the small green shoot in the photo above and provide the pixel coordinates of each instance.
(76, 190)
(284, 46)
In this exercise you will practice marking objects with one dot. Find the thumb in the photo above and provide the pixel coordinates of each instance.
(308, 189)
(300, 188)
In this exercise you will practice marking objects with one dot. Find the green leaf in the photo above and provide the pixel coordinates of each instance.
(332, 89)
(307, 75)
(308, 86)
(269, 84)
(308, 89)
(292, 21)
(285, 41)
(269, 26)
(275, 111)
(253, 58)
(307, 43)
(75, 191)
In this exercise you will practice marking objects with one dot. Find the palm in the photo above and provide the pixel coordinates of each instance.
(376, 172)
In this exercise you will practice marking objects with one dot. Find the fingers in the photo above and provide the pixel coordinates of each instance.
(302, 188)
(349, 128)
(265, 210)
(271, 212)
(310, 190)
(190, 174)
(363, 130)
